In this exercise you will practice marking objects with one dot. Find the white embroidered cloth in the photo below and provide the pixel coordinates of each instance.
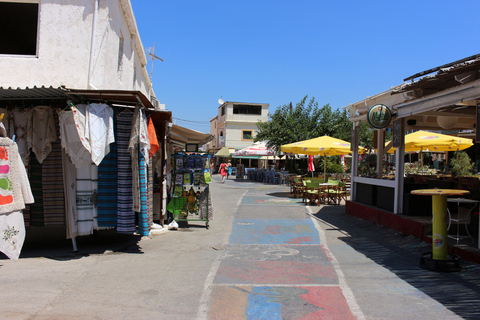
(99, 129)
(70, 138)
(15, 192)
(41, 131)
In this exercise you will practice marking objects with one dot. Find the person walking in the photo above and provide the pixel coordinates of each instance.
(223, 171)
(229, 169)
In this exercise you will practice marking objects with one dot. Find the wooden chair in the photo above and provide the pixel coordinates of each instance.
(332, 191)
(343, 192)
(314, 194)
(296, 184)
(303, 188)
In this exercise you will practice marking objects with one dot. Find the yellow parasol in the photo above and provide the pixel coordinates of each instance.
(432, 142)
(321, 146)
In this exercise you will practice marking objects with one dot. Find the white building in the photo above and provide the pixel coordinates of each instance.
(83, 44)
(235, 126)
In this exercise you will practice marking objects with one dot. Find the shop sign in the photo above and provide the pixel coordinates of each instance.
(379, 116)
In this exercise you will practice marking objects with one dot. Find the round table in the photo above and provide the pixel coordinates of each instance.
(440, 218)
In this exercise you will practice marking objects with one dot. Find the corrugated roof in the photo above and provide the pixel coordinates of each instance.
(35, 93)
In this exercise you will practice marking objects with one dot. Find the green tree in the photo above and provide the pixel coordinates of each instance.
(304, 121)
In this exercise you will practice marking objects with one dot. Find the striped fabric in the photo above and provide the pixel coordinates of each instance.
(52, 184)
(107, 187)
(86, 198)
(143, 214)
(125, 213)
(150, 193)
(36, 208)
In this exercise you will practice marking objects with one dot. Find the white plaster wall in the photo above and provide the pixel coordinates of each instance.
(234, 135)
(64, 41)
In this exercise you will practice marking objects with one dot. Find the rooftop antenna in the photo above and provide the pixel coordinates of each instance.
(151, 53)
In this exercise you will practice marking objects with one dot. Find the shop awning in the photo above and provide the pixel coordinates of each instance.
(180, 136)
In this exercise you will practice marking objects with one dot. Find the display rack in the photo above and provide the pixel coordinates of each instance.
(191, 193)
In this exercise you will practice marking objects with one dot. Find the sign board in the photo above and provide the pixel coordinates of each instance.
(398, 135)
(379, 116)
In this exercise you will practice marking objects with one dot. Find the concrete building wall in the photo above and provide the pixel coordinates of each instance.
(64, 49)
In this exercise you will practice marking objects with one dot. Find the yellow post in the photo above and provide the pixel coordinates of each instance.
(439, 224)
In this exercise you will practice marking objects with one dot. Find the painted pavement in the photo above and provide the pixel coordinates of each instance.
(275, 266)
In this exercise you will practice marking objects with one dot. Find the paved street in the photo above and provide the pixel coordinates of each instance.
(265, 256)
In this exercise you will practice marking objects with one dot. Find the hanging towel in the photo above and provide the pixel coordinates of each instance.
(152, 135)
(70, 193)
(143, 228)
(99, 129)
(126, 215)
(52, 183)
(107, 187)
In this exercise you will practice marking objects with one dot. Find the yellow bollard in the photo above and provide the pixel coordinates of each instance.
(439, 225)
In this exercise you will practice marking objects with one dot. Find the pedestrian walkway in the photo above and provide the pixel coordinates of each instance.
(286, 260)
(276, 266)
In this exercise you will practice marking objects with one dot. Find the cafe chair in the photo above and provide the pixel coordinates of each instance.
(333, 191)
(461, 218)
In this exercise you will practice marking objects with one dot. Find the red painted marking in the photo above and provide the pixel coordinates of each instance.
(282, 272)
(274, 229)
(299, 240)
(331, 299)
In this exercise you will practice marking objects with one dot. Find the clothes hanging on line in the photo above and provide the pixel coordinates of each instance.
(41, 131)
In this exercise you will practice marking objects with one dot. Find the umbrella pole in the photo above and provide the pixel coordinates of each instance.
(421, 159)
(325, 169)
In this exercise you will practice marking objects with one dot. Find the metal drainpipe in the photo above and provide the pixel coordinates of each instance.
(92, 46)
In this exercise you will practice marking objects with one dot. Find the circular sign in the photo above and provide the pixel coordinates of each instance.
(379, 116)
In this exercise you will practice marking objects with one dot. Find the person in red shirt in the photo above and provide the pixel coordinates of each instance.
(223, 171)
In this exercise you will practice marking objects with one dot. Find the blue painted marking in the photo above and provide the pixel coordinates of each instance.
(274, 231)
(260, 306)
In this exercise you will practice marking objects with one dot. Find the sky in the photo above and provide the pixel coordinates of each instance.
(277, 52)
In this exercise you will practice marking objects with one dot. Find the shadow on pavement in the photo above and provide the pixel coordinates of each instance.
(457, 291)
(102, 242)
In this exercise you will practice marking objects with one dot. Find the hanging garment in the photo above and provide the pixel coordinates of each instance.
(126, 215)
(71, 123)
(107, 187)
(36, 208)
(99, 130)
(150, 192)
(133, 148)
(143, 227)
(152, 136)
(70, 194)
(15, 192)
(18, 127)
(87, 178)
(41, 131)
(52, 183)
(6, 121)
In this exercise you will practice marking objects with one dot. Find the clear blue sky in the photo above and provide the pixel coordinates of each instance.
(277, 52)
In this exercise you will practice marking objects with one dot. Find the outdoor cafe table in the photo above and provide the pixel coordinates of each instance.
(440, 216)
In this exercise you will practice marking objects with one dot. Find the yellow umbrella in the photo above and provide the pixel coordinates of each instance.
(323, 146)
(431, 141)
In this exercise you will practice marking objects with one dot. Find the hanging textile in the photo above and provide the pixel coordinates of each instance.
(152, 136)
(99, 130)
(125, 213)
(36, 208)
(87, 178)
(107, 186)
(52, 182)
(70, 193)
(41, 131)
(143, 228)
(18, 127)
(72, 135)
(6, 121)
(139, 142)
(15, 192)
(150, 192)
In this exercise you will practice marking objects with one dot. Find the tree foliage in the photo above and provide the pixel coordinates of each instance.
(304, 121)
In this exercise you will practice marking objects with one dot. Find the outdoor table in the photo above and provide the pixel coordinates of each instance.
(439, 223)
